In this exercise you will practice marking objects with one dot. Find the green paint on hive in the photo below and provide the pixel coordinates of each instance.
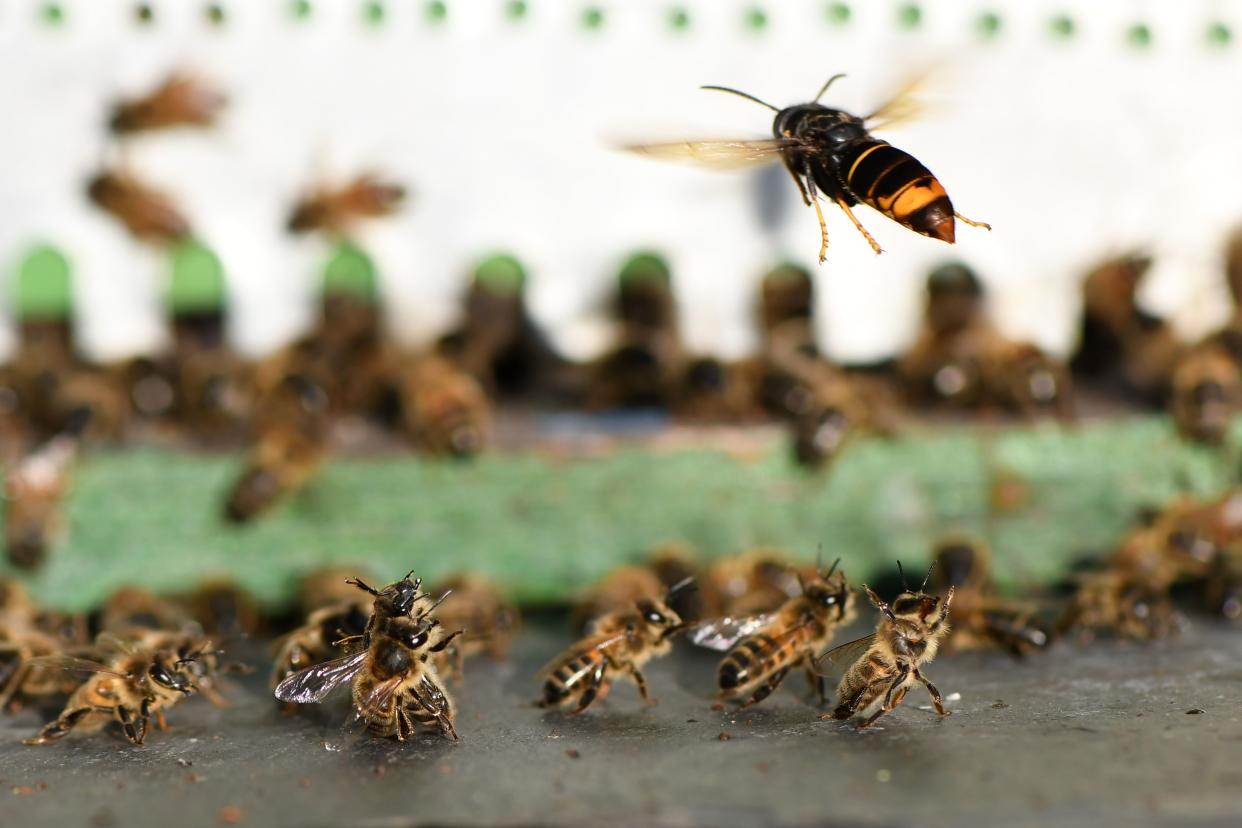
(43, 288)
(1218, 34)
(373, 13)
(988, 24)
(756, 19)
(197, 282)
(436, 11)
(910, 16)
(502, 273)
(678, 18)
(301, 9)
(350, 270)
(1139, 36)
(516, 9)
(592, 17)
(645, 267)
(1061, 26)
(52, 14)
(839, 13)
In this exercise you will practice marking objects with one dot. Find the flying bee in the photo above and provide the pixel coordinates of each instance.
(394, 682)
(180, 100)
(479, 607)
(140, 679)
(1206, 394)
(147, 213)
(336, 210)
(445, 410)
(981, 618)
(831, 152)
(621, 641)
(33, 493)
(883, 666)
(763, 649)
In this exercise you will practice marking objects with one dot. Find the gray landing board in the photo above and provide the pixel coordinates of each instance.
(1080, 736)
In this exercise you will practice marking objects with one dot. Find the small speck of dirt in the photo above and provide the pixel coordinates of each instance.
(380, 771)
(999, 705)
(1195, 711)
(762, 767)
(718, 706)
(120, 786)
(185, 763)
(193, 778)
(724, 736)
(692, 721)
(573, 753)
(22, 790)
(230, 815)
(304, 782)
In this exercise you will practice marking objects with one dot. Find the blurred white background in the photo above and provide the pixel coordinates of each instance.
(1075, 147)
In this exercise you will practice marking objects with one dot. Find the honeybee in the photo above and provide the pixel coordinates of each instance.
(337, 210)
(315, 642)
(147, 213)
(33, 491)
(444, 410)
(1223, 590)
(132, 681)
(832, 152)
(621, 641)
(27, 633)
(714, 391)
(1206, 394)
(617, 591)
(476, 605)
(763, 649)
(884, 665)
(180, 100)
(757, 581)
(981, 618)
(291, 447)
(395, 685)
(224, 609)
(134, 610)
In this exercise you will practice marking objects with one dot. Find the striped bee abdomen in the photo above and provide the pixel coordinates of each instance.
(567, 679)
(899, 186)
(751, 659)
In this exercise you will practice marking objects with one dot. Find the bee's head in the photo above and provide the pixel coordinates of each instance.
(170, 675)
(960, 561)
(402, 594)
(820, 435)
(658, 616)
(915, 607)
(830, 590)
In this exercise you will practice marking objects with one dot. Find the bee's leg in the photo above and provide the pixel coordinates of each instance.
(134, 726)
(59, 728)
(404, 726)
(641, 681)
(817, 684)
(358, 582)
(437, 701)
(933, 692)
(160, 721)
(965, 220)
(896, 692)
(212, 695)
(765, 689)
(845, 208)
(445, 643)
(593, 683)
(849, 707)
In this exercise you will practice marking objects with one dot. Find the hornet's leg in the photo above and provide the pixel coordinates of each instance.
(813, 194)
(845, 208)
(765, 689)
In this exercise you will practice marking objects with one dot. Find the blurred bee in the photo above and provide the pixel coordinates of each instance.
(336, 211)
(712, 391)
(129, 683)
(1206, 394)
(395, 685)
(33, 492)
(292, 443)
(1023, 378)
(180, 100)
(881, 668)
(1222, 592)
(134, 610)
(444, 409)
(147, 213)
(617, 591)
(476, 605)
(27, 633)
(758, 581)
(763, 649)
(832, 152)
(621, 641)
(980, 618)
(224, 609)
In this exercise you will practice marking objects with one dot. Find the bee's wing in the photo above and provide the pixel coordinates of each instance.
(109, 642)
(722, 633)
(907, 104)
(595, 642)
(834, 663)
(64, 661)
(313, 684)
(723, 155)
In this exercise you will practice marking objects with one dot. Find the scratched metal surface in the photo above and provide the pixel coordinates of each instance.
(1090, 736)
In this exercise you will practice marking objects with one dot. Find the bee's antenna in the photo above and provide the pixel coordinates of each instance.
(819, 560)
(684, 583)
(827, 84)
(904, 586)
(741, 94)
(439, 601)
(831, 569)
(927, 577)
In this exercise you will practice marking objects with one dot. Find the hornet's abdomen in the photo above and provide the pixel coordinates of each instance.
(895, 183)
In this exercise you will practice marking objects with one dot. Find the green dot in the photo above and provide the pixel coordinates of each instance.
(756, 19)
(839, 14)
(1218, 34)
(52, 14)
(516, 9)
(350, 270)
(1062, 26)
(988, 24)
(1139, 36)
(645, 267)
(501, 272)
(301, 9)
(144, 14)
(679, 18)
(215, 14)
(592, 17)
(436, 11)
(197, 282)
(910, 16)
(373, 13)
(43, 287)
